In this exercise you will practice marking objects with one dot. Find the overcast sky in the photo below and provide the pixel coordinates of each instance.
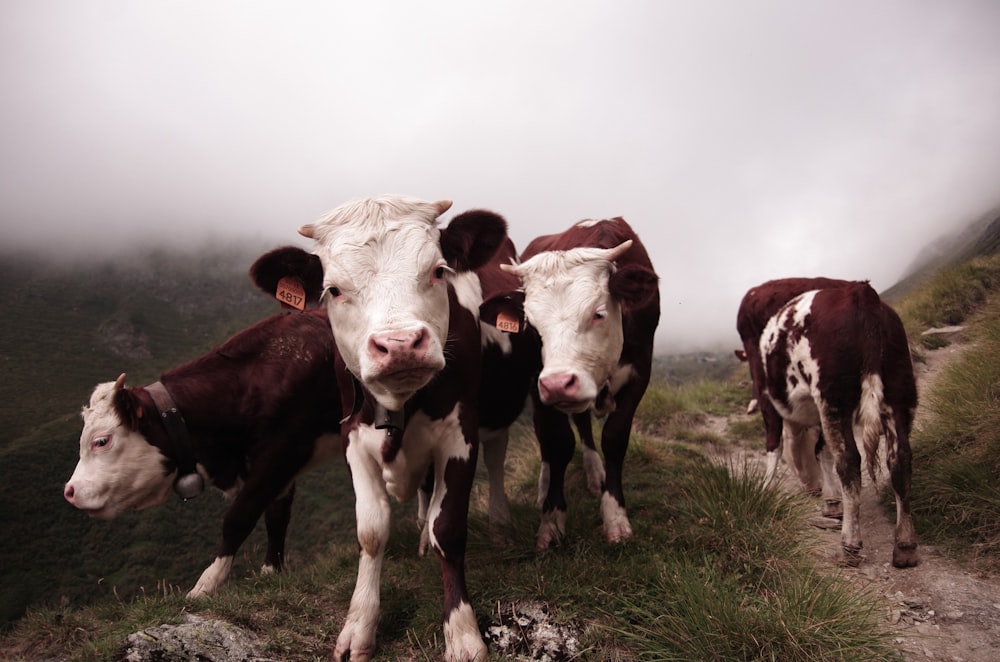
(744, 140)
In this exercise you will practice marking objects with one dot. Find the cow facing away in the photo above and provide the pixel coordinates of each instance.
(403, 306)
(590, 295)
(805, 449)
(835, 355)
(247, 418)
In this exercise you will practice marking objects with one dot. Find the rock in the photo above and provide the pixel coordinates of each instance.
(196, 639)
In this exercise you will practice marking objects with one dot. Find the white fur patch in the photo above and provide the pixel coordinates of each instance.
(462, 640)
(616, 524)
(212, 577)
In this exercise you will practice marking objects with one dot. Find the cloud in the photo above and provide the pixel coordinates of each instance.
(744, 141)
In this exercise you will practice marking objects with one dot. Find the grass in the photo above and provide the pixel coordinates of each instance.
(957, 453)
(716, 570)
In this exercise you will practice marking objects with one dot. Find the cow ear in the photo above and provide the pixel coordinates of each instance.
(633, 284)
(271, 267)
(472, 238)
(505, 311)
(128, 408)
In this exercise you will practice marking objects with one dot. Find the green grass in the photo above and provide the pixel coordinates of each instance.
(710, 543)
(957, 454)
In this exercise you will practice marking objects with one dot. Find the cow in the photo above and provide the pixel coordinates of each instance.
(807, 452)
(590, 296)
(833, 356)
(403, 302)
(247, 417)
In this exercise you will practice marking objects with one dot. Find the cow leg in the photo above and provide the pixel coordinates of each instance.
(423, 505)
(494, 445)
(832, 505)
(773, 433)
(356, 640)
(799, 443)
(614, 444)
(839, 433)
(276, 518)
(904, 552)
(449, 513)
(592, 463)
(556, 443)
(263, 486)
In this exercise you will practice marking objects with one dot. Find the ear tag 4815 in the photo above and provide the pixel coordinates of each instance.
(290, 293)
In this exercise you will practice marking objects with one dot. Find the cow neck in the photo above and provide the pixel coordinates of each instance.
(189, 482)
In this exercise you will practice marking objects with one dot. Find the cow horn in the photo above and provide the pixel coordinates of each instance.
(307, 230)
(442, 206)
(619, 250)
(120, 382)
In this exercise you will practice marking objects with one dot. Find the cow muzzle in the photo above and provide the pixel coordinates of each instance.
(565, 391)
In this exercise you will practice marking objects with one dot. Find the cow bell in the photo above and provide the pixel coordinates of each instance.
(189, 485)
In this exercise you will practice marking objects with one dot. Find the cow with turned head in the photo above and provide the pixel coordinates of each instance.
(590, 298)
(804, 446)
(403, 301)
(247, 417)
(830, 358)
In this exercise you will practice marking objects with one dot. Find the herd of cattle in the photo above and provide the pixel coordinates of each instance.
(415, 343)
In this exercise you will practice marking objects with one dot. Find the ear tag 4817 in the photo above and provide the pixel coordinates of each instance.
(290, 293)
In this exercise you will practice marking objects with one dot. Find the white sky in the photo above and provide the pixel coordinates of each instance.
(744, 140)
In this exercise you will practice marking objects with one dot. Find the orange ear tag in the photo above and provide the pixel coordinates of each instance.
(291, 293)
(507, 323)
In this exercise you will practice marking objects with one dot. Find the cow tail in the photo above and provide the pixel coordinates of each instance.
(871, 419)
(872, 409)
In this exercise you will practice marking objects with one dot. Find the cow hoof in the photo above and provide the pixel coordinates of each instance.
(905, 555)
(834, 509)
(851, 556)
(826, 523)
(620, 532)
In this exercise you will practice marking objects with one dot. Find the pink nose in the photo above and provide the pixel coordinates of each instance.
(559, 387)
(398, 346)
(69, 493)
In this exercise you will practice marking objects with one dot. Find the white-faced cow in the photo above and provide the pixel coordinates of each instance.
(403, 306)
(247, 418)
(837, 355)
(806, 450)
(591, 296)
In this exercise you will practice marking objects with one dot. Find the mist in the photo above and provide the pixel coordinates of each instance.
(743, 141)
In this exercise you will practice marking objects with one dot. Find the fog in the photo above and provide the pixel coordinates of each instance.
(742, 140)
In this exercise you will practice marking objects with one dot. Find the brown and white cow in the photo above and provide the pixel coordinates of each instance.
(247, 417)
(591, 296)
(805, 448)
(833, 356)
(403, 305)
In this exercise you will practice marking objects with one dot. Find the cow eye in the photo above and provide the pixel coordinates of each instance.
(100, 443)
(600, 314)
(333, 292)
(440, 271)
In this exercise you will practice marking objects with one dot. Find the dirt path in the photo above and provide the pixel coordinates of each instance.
(937, 610)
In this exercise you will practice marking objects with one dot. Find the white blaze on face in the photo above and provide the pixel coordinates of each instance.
(118, 469)
(386, 291)
(566, 298)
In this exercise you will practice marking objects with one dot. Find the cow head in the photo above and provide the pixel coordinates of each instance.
(574, 301)
(118, 468)
(382, 268)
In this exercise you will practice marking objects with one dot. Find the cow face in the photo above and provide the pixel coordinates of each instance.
(571, 298)
(118, 469)
(384, 276)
